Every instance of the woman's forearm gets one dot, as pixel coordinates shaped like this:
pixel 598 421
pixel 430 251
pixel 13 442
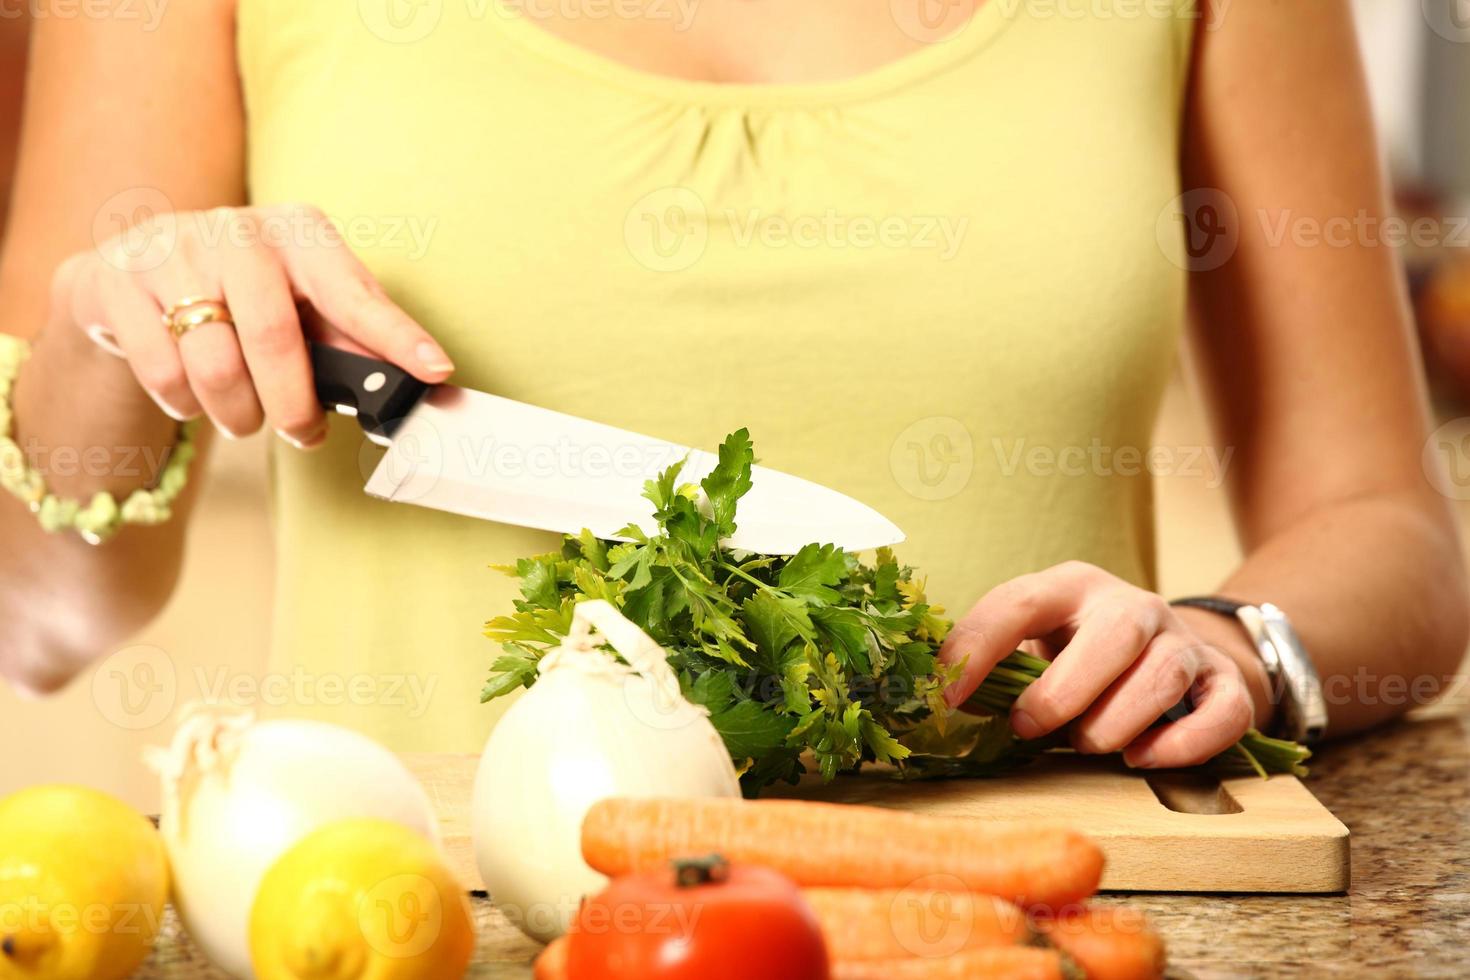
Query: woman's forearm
pixel 105 101
pixel 1376 589
pixel 87 426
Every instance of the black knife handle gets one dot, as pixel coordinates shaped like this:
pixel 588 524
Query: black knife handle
pixel 378 393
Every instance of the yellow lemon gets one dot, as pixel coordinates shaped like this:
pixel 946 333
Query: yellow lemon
pixel 83 881
pixel 360 899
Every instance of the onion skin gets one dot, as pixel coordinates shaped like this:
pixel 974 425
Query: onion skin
pixel 238 795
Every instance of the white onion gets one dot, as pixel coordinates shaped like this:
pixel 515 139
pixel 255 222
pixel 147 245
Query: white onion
pixel 237 795
pixel 589 728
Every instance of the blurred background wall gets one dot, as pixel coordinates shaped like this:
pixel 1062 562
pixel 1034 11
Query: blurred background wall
pixel 217 625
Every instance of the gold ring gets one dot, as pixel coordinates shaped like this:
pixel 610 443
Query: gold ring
pixel 193 312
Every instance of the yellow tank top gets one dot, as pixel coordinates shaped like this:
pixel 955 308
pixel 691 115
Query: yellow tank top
pixel 940 287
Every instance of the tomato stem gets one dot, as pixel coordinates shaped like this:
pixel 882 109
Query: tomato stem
pixel 708 870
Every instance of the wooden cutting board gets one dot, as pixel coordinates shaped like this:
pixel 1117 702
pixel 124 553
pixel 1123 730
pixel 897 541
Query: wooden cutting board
pixel 1165 832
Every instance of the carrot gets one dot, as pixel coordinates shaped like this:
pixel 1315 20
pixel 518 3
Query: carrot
pixel 884 924
pixel 552 963
pixel 998 962
pixel 1108 942
pixel 838 845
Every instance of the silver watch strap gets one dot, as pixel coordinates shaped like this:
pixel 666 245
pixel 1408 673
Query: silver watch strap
pixel 1295 685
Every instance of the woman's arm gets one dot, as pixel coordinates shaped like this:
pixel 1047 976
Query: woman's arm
pixel 1307 356
pixel 116 118
pixel 132 130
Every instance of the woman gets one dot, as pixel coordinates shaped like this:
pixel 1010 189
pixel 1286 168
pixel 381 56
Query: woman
pixel 869 236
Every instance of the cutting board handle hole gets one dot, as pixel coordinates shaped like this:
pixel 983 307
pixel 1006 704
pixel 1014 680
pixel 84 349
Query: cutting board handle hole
pixel 1188 792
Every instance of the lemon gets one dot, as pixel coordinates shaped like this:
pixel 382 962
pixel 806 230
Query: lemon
pixel 83 881
pixel 360 898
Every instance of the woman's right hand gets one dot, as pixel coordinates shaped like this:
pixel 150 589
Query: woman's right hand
pixel 261 262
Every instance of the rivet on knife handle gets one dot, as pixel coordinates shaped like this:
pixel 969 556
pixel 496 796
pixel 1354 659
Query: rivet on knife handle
pixel 376 392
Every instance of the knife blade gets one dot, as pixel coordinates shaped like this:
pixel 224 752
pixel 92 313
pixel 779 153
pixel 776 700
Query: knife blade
pixel 483 456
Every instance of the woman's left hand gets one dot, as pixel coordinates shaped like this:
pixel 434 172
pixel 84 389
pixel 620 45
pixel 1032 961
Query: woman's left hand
pixel 1122 657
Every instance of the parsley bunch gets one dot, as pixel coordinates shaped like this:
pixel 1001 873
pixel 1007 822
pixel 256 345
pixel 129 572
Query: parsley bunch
pixel 816 654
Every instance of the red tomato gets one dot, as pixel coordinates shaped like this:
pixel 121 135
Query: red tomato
pixel 700 920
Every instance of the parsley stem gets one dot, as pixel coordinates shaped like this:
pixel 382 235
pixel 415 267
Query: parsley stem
pixel 749 578
pixel 1260 753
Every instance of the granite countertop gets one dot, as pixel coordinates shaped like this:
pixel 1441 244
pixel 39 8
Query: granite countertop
pixel 1404 792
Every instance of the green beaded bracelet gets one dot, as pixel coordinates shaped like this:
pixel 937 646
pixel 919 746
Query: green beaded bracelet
pixel 102 517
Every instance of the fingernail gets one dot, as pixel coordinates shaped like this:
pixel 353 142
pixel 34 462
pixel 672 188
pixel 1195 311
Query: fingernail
pixel 310 442
pixel 1139 758
pixel 432 356
pixel 166 408
pixel 1024 725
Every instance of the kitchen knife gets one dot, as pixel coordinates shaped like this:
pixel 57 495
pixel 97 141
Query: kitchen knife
pixel 493 458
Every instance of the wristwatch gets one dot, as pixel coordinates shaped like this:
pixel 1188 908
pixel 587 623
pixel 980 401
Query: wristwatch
pixel 1295 684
